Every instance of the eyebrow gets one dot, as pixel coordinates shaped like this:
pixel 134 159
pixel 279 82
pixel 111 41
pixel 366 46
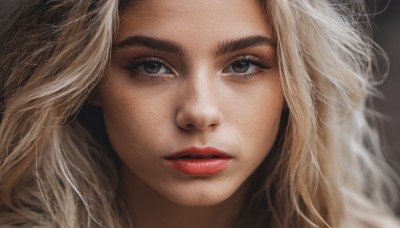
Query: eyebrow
pixel 170 46
pixel 246 42
pixel 150 42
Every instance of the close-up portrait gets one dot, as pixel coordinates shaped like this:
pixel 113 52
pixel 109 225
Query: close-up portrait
pixel 194 114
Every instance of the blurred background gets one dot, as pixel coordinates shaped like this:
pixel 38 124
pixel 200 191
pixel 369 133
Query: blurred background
pixel 386 25
pixel 385 15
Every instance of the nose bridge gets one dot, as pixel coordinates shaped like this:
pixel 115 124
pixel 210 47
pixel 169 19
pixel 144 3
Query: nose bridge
pixel 200 90
pixel 199 107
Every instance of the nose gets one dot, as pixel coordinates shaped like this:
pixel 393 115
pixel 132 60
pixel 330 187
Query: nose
pixel 199 109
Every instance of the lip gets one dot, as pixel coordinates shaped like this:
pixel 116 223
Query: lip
pixel 199 161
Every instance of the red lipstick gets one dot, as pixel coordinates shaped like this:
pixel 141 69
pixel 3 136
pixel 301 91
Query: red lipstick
pixel 199 161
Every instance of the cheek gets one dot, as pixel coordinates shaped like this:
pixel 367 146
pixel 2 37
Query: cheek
pixel 260 131
pixel 257 115
pixel 131 123
pixel 267 118
pixel 258 123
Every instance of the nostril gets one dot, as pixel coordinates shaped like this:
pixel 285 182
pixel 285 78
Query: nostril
pixel 190 126
pixel 195 118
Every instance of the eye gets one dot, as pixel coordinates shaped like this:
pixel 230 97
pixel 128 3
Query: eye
pixel 153 68
pixel 241 66
pixel 149 66
pixel 246 65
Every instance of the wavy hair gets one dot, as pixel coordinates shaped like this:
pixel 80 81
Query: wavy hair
pixel 326 169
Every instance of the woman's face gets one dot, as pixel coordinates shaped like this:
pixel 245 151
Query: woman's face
pixel 193 100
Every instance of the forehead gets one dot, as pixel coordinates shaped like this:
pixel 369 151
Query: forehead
pixel 205 19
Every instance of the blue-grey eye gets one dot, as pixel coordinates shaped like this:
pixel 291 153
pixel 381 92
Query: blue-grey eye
pixel 152 67
pixel 245 65
pixel 241 66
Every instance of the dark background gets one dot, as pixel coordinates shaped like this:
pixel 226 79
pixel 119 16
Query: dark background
pixel 386 27
pixel 385 15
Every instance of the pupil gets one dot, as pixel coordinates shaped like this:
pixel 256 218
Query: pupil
pixel 241 66
pixel 152 68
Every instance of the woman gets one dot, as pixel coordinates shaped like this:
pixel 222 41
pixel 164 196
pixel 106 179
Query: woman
pixel 189 114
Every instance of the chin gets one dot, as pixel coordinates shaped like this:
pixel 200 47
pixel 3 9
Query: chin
pixel 198 201
pixel 198 195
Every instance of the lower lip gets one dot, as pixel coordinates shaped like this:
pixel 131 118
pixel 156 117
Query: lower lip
pixel 200 167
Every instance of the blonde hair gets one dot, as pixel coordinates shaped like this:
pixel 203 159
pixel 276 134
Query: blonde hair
pixel 331 172
pixel 326 169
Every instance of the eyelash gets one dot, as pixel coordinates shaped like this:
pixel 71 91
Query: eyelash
pixel 133 67
pixel 257 62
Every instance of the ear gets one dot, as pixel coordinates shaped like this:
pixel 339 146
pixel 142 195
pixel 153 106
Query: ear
pixel 94 98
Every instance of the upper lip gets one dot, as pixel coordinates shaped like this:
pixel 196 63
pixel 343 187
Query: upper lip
pixel 200 152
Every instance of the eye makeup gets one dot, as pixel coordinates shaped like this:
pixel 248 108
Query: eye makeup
pixel 149 68
pixel 246 67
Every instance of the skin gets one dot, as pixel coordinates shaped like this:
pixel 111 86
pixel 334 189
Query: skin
pixel 193 98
